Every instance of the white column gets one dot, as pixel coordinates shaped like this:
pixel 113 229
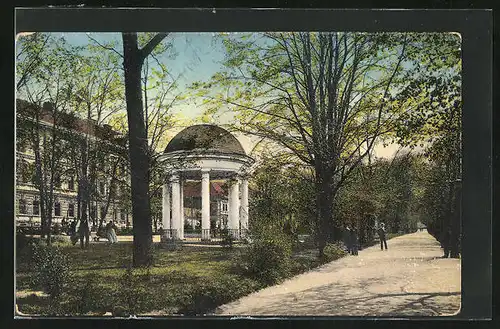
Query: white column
pixel 234 206
pixel 176 204
pixel 205 205
pixel 244 204
pixel 181 235
pixel 166 207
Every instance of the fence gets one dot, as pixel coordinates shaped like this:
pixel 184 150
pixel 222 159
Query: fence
pixel 204 235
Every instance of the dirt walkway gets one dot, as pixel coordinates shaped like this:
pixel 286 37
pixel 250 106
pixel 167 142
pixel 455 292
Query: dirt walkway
pixel 410 279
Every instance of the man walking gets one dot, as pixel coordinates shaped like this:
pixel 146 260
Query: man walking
pixel 381 235
pixel 354 242
pixel 347 239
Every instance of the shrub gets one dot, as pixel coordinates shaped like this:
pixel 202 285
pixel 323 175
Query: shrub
pixel 51 270
pixel 267 259
pixel 56 229
pixel 333 251
pixel 210 293
pixel 23 241
pixel 227 239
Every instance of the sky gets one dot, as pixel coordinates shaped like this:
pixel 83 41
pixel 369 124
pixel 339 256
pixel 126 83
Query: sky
pixel 196 57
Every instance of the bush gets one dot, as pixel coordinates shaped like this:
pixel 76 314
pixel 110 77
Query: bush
pixel 227 239
pixel 333 251
pixel 267 259
pixel 51 270
pixel 210 293
pixel 23 241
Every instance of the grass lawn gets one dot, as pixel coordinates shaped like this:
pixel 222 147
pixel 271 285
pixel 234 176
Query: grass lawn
pixel 172 285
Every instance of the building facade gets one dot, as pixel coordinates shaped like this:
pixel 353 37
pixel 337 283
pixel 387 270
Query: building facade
pixel 104 205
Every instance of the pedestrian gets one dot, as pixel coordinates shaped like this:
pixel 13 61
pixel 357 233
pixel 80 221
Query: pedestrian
pixel 111 232
pixel 381 235
pixel 84 233
pixel 447 242
pixel 72 232
pixel 354 242
pixel 347 239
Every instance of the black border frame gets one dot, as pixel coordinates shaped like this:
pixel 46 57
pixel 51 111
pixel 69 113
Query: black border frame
pixel 476 28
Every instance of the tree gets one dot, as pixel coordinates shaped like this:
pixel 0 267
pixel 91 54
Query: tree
pixel 133 59
pixel 31 50
pixel 42 119
pixel 96 153
pixel 432 102
pixel 321 96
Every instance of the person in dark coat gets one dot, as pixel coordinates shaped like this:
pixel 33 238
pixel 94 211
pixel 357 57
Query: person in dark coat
pixel 354 242
pixel 347 239
pixel 72 232
pixel 84 234
pixel 447 242
pixel 381 235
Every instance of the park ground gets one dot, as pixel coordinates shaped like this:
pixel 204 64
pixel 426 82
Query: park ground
pixel 409 279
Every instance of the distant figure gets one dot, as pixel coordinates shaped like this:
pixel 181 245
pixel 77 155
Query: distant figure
pixel 354 242
pixel 347 239
pixel 84 233
pixel 72 232
pixel 381 235
pixel 111 232
pixel 447 242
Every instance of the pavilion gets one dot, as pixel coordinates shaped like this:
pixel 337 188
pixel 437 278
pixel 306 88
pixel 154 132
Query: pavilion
pixel 203 153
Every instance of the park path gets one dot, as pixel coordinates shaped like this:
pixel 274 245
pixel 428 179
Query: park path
pixel 410 279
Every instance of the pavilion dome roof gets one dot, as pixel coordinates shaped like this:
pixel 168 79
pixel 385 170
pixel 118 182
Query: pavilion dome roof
pixel 205 137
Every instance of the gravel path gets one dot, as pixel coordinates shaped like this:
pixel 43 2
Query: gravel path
pixel 410 279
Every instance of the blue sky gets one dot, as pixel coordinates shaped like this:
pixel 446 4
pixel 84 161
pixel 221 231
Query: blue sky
pixel 197 54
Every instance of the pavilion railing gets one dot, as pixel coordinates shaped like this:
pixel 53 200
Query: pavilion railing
pixel 213 235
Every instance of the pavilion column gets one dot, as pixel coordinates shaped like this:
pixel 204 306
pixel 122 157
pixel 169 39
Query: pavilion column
pixel 176 206
pixel 181 235
pixel 234 208
pixel 244 204
pixel 165 221
pixel 205 205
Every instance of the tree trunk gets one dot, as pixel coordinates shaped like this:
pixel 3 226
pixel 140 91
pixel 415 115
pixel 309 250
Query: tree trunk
pixel 139 161
pixel 327 231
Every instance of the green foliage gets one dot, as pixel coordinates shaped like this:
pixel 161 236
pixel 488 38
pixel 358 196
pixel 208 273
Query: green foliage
pixel 333 251
pixel 227 239
pixel 267 258
pixel 51 270
pixel 282 197
pixel 208 294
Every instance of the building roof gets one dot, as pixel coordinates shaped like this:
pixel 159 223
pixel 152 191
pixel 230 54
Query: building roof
pixel 205 137
pixel 69 120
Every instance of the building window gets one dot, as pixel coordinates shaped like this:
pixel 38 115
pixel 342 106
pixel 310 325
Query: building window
pixel 22 207
pixel 71 183
pixel 102 212
pixel 71 210
pixel 122 215
pixel 57 209
pixel 224 207
pixel 36 207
